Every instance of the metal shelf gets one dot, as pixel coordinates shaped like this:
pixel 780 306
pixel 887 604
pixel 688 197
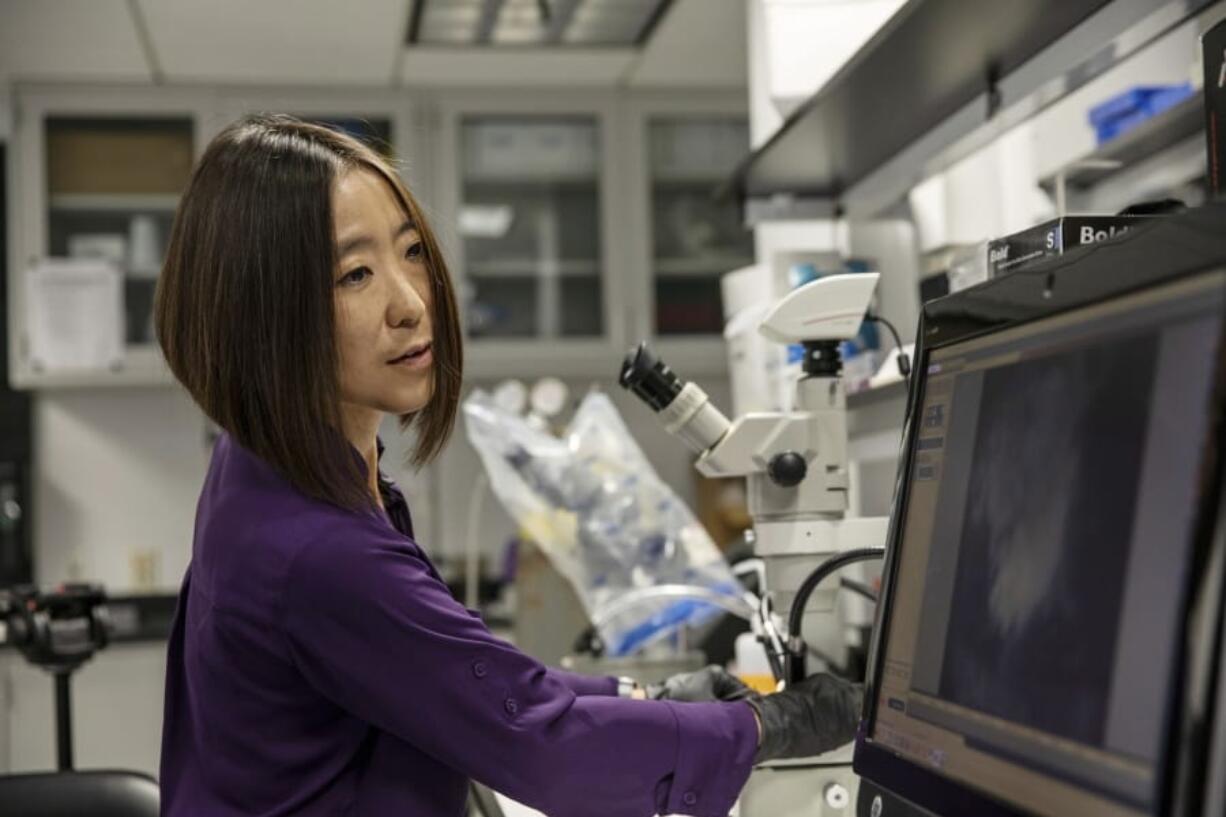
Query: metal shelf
pixel 682 179
pixel 1172 126
pixel 539 178
pixel 531 268
pixel 702 266
pixel 939 80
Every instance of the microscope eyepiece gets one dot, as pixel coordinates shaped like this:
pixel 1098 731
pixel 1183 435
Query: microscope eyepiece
pixel 649 378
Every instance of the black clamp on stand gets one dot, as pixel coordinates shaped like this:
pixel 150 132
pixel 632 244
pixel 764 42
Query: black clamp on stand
pixel 59 630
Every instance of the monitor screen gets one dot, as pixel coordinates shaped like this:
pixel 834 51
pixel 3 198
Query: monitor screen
pixel 1036 605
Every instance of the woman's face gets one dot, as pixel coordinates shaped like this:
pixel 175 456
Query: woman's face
pixel 383 301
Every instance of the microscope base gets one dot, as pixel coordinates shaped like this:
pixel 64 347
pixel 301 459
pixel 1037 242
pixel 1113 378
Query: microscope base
pixel 824 786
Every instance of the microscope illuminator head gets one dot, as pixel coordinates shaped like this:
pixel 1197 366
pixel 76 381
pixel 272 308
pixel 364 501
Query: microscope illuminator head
pixel 828 309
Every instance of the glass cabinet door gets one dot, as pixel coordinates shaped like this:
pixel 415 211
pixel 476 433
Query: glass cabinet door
pixel 112 188
pixel 375 132
pixel 695 239
pixel 529 218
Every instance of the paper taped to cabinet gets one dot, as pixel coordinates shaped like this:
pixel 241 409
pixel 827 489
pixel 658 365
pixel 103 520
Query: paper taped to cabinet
pixel 74 308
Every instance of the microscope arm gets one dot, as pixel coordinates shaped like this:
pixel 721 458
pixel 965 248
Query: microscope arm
pixel 754 440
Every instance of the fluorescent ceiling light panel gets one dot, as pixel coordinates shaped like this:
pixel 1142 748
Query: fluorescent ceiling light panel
pixel 519 23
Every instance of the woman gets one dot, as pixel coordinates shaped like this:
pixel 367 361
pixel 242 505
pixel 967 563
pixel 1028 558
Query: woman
pixel 318 664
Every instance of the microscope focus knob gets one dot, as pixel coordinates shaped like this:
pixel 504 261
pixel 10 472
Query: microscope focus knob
pixel 787 469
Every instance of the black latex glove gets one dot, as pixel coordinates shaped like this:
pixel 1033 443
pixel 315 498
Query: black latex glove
pixel 808 718
pixel 711 683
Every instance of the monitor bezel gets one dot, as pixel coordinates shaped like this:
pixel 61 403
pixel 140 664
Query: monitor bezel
pixel 1152 256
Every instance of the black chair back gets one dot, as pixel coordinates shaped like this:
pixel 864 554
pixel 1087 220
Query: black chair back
pixel 79 794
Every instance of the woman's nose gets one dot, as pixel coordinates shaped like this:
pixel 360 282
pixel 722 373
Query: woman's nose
pixel 405 304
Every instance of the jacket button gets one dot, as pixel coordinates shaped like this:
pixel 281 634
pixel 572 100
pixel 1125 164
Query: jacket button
pixel 689 798
pixel 510 706
pixel 479 669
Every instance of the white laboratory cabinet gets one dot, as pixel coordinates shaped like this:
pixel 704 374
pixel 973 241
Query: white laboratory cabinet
pixel 681 151
pixel 98 173
pixel 530 192
pixel 575 223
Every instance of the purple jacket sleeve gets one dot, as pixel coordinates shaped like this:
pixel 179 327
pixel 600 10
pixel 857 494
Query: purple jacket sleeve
pixel 584 684
pixel 372 628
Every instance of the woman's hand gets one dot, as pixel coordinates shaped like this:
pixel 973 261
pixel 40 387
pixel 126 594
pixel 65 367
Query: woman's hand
pixel 711 683
pixel 817 715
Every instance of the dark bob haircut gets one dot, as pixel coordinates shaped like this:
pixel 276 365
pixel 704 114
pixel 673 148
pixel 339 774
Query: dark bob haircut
pixel 244 305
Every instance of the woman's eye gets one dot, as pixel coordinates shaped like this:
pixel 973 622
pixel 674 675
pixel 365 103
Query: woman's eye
pixel 414 251
pixel 356 276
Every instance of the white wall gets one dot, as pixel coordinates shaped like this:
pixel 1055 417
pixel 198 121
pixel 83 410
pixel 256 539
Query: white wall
pixel 6 109
pixel 116 477
pixel 992 192
pixel 892 244
pixel 116 711
pixel 796 46
pixel 764 117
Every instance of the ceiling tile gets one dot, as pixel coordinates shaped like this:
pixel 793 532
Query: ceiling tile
pixel 69 39
pixel 461 34
pixel 698 43
pixel 603 30
pixel 436 14
pixel 293 41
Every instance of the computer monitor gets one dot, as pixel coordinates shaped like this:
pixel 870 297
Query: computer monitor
pixel 1052 538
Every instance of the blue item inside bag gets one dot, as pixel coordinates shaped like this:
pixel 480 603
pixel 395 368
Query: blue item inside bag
pixel 1123 112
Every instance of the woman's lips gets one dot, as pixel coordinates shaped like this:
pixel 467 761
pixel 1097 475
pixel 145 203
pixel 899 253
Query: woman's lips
pixel 417 360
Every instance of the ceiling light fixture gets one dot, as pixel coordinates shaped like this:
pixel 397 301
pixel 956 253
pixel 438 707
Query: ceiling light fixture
pixel 534 23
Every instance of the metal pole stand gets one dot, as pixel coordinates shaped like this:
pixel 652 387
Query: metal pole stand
pixel 63 719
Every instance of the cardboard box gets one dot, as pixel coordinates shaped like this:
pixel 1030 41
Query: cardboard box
pixel 1213 46
pixel 99 161
pixel 1053 238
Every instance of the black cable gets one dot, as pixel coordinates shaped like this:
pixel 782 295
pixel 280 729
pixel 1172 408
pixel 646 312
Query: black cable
pixel 859 588
pixel 795 660
pixel 904 362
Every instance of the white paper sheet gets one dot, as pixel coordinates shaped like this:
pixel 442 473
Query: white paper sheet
pixel 74 310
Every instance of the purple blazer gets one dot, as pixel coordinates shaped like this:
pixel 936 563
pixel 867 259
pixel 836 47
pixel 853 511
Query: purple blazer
pixel 318 665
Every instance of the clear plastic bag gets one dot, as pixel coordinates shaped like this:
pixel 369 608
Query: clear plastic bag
pixel 591 501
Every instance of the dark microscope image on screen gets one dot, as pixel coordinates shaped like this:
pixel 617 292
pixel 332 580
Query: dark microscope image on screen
pixel 1045 537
